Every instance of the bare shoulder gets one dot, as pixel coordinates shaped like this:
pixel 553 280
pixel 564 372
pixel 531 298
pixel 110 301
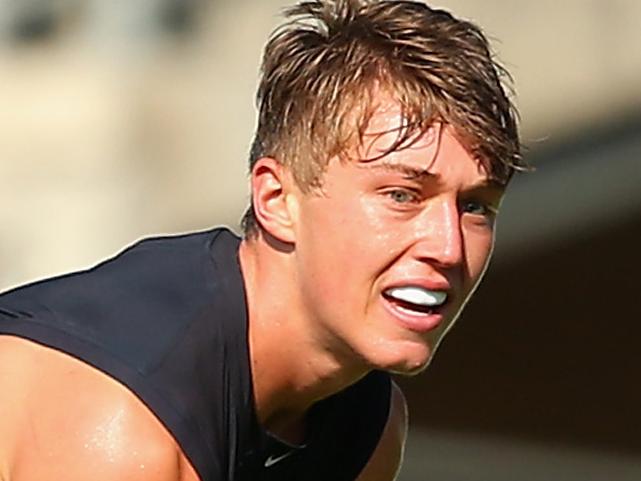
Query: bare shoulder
pixel 67 420
pixel 386 459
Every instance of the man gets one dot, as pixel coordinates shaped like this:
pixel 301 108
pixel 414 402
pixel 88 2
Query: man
pixel 384 143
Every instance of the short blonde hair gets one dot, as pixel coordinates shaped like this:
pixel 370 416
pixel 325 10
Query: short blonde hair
pixel 321 69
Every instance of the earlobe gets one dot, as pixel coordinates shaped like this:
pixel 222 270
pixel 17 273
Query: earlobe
pixel 271 184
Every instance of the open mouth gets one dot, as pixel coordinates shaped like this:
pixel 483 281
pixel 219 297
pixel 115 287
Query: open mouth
pixel 416 300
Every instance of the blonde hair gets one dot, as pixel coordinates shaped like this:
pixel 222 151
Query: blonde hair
pixel 322 68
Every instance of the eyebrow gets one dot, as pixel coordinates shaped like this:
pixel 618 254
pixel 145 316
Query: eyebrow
pixel 410 173
pixel 490 184
pixel 414 173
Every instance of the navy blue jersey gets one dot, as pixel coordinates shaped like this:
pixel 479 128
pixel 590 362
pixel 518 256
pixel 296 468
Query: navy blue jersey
pixel 167 318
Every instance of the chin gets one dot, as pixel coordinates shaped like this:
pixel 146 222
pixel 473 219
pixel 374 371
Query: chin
pixel 409 369
pixel 405 358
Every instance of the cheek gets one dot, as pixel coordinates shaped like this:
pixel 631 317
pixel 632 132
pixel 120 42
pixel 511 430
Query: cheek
pixel 326 249
pixel 478 250
pixel 377 230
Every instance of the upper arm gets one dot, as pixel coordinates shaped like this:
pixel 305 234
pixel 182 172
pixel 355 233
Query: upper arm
pixel 72 422
pixel 386 459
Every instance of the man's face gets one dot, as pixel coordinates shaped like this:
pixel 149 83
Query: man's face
pixel 391 249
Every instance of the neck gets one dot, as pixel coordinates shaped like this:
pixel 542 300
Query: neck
pixel 292 366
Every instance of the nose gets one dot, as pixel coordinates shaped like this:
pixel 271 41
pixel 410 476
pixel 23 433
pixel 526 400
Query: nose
pixel 439 234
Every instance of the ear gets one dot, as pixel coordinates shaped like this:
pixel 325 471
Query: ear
pixel 272 188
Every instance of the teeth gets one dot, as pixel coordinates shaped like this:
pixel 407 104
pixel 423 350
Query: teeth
pixel 418 295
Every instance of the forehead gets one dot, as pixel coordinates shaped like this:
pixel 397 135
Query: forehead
pixel 385 127
pixel 436 151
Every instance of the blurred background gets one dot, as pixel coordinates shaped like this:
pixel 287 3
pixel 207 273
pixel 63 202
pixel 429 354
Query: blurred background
pixel 123 119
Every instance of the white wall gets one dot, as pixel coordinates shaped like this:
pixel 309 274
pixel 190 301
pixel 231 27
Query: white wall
pixel 112 130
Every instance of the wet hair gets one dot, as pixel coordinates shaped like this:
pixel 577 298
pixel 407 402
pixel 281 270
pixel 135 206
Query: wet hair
pixel 324 69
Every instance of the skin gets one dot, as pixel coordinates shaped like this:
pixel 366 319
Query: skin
pixel 424 214
pixel 90 427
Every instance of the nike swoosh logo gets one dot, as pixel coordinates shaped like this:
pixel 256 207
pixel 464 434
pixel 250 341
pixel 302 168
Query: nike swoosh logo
pixel 270 461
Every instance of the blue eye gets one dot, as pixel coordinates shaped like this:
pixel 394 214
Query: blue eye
pixel 402 196
pixel 478 208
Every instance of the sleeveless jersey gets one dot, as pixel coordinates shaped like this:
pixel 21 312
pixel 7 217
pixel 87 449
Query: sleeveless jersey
pixel 167 319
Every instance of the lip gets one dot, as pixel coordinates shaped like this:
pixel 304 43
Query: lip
pixel 418 322
pixel 430 285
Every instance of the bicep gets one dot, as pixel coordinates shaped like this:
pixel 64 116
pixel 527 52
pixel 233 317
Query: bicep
pixel 102 463
pixel 76 423
pixel 105 444
pixel 386 459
